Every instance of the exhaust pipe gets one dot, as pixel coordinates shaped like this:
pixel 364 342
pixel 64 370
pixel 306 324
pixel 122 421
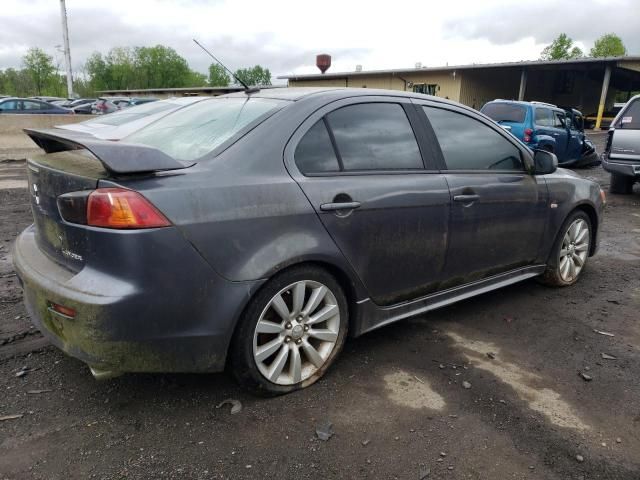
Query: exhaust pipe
pixel 103 374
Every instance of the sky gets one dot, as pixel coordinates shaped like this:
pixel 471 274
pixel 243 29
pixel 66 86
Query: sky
pixel 285 36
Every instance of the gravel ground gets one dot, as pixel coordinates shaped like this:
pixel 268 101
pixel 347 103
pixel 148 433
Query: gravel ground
pixel 489 388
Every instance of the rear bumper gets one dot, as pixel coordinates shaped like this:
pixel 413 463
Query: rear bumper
pixel 628 169
pixel 127 323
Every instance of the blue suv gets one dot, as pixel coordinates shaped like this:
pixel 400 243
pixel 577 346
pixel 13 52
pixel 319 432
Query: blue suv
pixel 545 126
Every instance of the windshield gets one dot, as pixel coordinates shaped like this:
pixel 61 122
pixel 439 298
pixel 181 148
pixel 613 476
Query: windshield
pixel 505 112
pixel 194 131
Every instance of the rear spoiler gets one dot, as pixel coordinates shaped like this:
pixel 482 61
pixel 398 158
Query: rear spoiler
pixel 117 157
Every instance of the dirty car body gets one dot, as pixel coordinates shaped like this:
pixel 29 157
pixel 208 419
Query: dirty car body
pixel 265 194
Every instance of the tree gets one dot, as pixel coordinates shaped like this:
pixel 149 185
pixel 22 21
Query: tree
pixel 39 66
pixel 218 76
pixel 161 67
pixel 609 45
pixel 562 48
pixel 254 76
pixel 197 79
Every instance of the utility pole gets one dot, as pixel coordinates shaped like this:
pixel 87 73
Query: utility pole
pixel 67 51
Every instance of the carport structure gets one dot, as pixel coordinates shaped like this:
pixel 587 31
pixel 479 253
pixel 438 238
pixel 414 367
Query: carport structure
pixel 588 84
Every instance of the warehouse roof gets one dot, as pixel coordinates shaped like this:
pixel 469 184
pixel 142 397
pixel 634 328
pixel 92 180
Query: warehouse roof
pixel 585 60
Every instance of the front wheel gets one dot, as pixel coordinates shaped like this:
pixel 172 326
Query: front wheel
pixel 621 184
pixel 291 332
pixel 570 251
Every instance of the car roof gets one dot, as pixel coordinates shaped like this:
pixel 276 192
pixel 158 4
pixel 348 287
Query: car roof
pixel 530 104
pixel 298 93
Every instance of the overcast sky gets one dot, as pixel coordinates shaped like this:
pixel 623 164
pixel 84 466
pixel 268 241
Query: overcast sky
pixel 286 35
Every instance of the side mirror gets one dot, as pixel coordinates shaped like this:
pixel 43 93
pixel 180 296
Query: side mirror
pixel 545 162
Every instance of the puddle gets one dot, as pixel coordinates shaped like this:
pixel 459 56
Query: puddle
pixel 406 390
pixel 543 400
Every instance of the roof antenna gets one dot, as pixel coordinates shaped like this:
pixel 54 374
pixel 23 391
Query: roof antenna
pixel 247 88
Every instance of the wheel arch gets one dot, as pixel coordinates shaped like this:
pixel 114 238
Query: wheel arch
pixel 349 285
pixel 590 211
pixel 593 218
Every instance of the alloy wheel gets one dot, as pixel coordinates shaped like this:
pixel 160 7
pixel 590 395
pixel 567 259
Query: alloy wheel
pixel 574 250
pixel 296 332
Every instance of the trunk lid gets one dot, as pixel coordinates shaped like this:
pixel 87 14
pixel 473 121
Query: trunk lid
pixel 49 176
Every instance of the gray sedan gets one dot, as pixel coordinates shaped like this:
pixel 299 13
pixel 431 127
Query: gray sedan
pixel 258 230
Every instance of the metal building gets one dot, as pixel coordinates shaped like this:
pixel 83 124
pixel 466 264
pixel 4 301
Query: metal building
pixel 588 84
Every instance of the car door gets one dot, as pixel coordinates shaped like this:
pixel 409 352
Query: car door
pixel 34 106
pixel 561 133
pixel 362 168
pixel 575 134
pixel 498 210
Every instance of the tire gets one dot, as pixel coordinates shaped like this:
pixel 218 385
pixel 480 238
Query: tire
pixel 309 338
pixel 567 246
pixel 621 184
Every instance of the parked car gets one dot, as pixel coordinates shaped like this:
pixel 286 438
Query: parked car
pixel 545 126
pixel 82 106
pixel 124 122
pixel 607 117
pixel 46 99
pixel 621 157
pixel 29 106
pixel 142 100
pixel 103 106
pixel 259 229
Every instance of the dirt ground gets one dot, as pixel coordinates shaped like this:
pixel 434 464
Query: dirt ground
pixel 395 398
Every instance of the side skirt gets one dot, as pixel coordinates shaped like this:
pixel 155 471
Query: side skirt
pixel 372 316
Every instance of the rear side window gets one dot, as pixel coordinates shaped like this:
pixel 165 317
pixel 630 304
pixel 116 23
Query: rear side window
pixel 630 118
pixel 375 136
pixel 505 112
pixel 314 153
pixel 9 105
pixel 468 144
pixel 543 117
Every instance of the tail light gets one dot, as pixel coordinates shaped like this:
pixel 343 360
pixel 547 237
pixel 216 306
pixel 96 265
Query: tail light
pixel 117 208
pixel 527 135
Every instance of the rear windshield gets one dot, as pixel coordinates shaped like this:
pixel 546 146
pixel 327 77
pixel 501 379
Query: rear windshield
pixel 197 130
pixel 630 118
pixel 505 112
pixel 133 113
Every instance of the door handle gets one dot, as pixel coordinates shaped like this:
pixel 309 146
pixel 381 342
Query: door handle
pixel 332 207
pixel 466 198
pixel 555 134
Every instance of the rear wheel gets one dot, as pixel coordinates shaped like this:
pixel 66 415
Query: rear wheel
pixel 570 251
pixel 291 332
pixel 621 184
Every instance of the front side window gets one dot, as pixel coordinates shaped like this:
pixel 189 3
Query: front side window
pixel 543 117
pixel 29 105
pixel 468 144
pixel 559 120
pixel 195 131
pixel 577 122
pixel 315 153
pixel 374 136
